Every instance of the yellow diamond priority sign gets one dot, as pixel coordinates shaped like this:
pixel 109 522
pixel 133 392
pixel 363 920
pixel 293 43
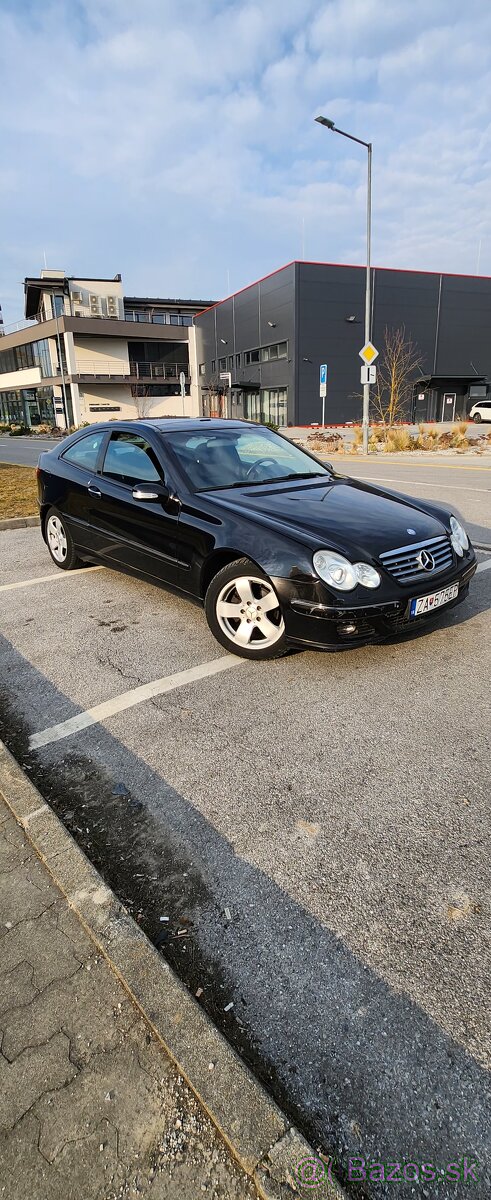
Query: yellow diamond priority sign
pixel 368 353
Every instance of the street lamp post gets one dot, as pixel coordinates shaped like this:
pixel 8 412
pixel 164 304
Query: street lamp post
pixel 368 145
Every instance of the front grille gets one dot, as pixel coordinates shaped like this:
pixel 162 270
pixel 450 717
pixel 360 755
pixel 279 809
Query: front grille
pixel 404 563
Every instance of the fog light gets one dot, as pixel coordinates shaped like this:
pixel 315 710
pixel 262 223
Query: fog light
pixel 347 630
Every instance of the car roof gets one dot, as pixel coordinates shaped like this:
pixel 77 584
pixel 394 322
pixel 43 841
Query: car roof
pixel 171 424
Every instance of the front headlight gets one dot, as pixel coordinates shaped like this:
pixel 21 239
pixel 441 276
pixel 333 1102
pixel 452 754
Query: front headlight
pixel 367 575
pixel 339 573
pixel 460 541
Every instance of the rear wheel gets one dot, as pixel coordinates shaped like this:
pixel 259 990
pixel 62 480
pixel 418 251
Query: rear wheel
pixel 244 612
pixel 477 418
pixel 60 542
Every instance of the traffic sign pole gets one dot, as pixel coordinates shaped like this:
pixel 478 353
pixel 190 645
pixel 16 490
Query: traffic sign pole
pixel 366 386
pixel 323 389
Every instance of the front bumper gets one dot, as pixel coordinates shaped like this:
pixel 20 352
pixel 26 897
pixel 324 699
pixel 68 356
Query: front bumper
pixel 312 619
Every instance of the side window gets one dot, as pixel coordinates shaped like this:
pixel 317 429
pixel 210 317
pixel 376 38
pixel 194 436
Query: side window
pixel 129 459
pixel 85 452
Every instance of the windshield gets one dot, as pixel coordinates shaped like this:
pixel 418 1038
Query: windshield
pixel 239 457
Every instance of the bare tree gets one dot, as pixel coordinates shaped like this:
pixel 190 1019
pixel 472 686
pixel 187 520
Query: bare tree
pixel 397 370
pixel 212 395
pixel 143 402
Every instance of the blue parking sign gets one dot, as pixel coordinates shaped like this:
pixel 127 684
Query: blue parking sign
pixel 323 373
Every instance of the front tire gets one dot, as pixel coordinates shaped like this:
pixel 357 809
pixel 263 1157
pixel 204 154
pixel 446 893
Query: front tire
pixel 244 613
pixel 477 418
pixel 60 542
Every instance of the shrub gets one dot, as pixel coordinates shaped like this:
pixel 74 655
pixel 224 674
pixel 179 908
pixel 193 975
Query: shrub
pixel 459 436
pixel 399 439
pixel 427 439
pixel 19 430
pixel 378 434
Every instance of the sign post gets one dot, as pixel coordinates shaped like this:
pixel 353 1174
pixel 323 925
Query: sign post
pixel 323 390
pixel 182 382
pixel 368 354
pixel 227 377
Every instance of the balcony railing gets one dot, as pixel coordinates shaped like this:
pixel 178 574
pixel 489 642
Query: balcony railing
pixel 100 369
pixel 17 327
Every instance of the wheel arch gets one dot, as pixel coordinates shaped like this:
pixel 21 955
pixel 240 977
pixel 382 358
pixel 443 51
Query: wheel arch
pixel 217 560
pixel 43 512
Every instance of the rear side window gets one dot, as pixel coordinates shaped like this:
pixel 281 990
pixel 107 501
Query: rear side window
pixel 85 452
pixel 130 459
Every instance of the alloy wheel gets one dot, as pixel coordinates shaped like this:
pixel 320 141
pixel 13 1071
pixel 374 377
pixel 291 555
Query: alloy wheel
pixel 57 539
pixel 248 612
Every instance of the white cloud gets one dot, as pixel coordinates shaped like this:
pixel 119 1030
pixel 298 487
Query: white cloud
pixel 176 142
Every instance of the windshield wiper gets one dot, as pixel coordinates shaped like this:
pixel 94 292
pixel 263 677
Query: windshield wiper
pixel 220 487
pixel 296 475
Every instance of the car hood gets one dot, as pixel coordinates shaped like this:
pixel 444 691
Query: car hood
pixel 341 513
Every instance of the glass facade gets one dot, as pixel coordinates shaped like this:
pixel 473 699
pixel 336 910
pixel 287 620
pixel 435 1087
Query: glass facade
pixel 31 354
pixel 27 406
pixel 269 404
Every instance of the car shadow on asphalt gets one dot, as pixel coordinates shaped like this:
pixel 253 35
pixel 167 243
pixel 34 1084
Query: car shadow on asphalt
pixel 362 1069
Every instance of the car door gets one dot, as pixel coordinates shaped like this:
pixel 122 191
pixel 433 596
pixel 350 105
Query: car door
pixel 128 530
pixel 68 488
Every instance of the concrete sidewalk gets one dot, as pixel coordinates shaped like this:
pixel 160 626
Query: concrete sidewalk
pixel 90 1105
pixel 114 1082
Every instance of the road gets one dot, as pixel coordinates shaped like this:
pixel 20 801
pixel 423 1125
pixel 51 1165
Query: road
pixel 319 825
pixel 24 451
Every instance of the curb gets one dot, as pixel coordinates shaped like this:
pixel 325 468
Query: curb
pixel 261 1138
pixel 19 522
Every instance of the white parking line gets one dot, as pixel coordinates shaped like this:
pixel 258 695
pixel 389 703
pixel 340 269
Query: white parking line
pixel 456 487
pixel 109 708
pixel 484 566
pixel 11 587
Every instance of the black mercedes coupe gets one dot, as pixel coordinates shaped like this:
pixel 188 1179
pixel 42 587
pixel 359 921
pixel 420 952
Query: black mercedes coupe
pixel 280 547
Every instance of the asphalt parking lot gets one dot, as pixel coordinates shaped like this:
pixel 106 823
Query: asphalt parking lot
pixel 316 829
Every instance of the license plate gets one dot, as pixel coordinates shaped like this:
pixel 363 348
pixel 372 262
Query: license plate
pixel 426 604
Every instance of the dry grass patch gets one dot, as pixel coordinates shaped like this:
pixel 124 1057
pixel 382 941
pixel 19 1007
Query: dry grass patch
pixel 18 491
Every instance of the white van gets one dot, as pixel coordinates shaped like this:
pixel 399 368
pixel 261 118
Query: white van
pixel 481 411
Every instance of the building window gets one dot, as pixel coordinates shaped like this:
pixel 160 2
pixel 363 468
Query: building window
pixel 31 354
pixel 230 362
pixel 270 353
pixel 271 404
pixel 222 364
pixel 202 368
pixel 237 360
pixel 28 406
pixel 251 356
pixel 213 365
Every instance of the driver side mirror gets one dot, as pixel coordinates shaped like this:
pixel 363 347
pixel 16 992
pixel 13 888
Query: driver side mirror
pixel 149 493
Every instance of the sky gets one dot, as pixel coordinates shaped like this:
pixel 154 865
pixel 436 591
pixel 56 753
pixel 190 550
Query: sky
pixel 174 140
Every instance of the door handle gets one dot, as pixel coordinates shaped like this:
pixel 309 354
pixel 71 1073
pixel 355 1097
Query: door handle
pixel 93 490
